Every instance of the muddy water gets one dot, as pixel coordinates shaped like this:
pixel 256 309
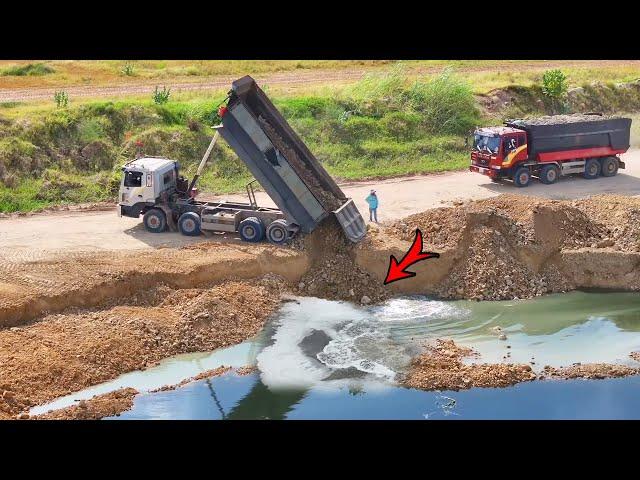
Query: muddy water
pixel 326 359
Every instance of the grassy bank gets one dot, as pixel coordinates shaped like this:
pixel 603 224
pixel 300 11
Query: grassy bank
pixel 383 126
pixel 390 123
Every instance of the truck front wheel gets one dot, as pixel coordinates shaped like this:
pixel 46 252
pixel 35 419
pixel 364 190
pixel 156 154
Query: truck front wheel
pixel 251 229
pixel 154 220
pixel 591 169
pixel 522 177
pixel 189 224
pixel 609 166
pixel 549 174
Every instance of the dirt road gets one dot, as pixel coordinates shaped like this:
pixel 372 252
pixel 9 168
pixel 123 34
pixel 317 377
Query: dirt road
pixel 293 78
pixel 42 236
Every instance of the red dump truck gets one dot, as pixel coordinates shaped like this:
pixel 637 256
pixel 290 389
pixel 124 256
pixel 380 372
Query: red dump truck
pixel 548 147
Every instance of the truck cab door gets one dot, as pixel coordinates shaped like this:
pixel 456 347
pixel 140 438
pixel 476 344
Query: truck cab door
pixel 514 149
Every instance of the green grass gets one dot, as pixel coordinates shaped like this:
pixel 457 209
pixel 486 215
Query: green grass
pixel 391 123
pixel 30 69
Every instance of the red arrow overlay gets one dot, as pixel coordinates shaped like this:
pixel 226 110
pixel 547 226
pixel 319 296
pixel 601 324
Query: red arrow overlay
pixel 415 254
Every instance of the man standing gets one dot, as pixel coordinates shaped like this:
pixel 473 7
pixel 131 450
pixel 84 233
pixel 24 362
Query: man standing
pixel 372 200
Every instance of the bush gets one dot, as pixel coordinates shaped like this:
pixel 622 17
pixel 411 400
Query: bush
pixel 31 70
pixel 446 103
pixel 555 87
pixel 554 84
pixel 160 97
pixel 61 98
pixel 128 69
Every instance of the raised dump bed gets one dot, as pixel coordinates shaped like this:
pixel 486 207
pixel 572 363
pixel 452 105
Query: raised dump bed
pixel 282 163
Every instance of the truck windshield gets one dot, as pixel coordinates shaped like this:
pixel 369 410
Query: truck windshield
pixel 486 143
pixel 132 179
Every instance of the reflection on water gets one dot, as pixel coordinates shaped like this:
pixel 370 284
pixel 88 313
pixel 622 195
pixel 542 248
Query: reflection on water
pixel 323 359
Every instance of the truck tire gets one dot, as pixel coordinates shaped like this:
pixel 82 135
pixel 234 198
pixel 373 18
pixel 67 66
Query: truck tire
pixel 549 174
pixel 522 177
pixel 251 229
pixel 155 220
pixel 277 232
pixel 592 169
pixel 609 166
pixel 189 224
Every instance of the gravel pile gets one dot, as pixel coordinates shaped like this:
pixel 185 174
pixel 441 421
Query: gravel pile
pixel 328 200
pixel 560 119
pixel 593 371
pixel 334 274
pixel 441 367
pixel 504 246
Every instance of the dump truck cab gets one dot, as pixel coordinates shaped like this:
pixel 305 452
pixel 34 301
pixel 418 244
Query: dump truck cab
pixel 144 181
pixel 497 150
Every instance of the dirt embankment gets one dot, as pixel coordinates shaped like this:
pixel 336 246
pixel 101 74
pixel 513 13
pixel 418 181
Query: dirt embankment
pixel 32 288
pixel 515 246
pixel 63 353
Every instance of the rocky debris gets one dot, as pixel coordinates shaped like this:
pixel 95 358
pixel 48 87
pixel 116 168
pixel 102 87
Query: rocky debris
pixel 106 405
pixel 216 372
pixel 596 371
pixel 334 273
pixel 563 119
pixel 326 197
pixel 635 356
pixel 505 247
pixel 246 370
pixel 441 367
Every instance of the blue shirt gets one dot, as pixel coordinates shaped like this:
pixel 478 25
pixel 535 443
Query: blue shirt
pixel 372 200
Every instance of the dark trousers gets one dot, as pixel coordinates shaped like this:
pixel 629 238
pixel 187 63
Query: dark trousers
pixel 373 215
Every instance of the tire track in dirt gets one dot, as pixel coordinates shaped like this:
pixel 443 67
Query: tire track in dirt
pixel 288 78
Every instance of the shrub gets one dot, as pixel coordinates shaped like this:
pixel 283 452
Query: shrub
pixel 160 97
pixel 31 70
pixel 554 84
pixel 446 103
pixel 555 87
pixel 61 98
pixel 128 69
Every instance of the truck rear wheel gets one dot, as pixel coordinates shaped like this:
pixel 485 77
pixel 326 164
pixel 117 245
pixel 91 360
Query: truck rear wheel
pixel 155 220
pixel 549 174
pixel 609 166
pixel 522 177
pixel 592 169
pixel 251 229
pixel 189 224
pixel 277 232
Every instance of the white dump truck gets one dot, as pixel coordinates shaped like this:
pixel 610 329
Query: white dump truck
pixel 278 159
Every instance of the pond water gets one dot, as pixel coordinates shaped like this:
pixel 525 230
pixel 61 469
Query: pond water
pixel 320 359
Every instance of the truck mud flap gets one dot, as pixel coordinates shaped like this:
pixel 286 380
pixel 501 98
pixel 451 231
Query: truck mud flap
pixel 351 221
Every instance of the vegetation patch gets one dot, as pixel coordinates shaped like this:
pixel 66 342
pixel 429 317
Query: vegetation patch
pixel 390 123
pixel 30 70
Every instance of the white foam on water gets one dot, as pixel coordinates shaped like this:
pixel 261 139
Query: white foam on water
pixel 283 364
pixel 360 339
pixel 407 309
